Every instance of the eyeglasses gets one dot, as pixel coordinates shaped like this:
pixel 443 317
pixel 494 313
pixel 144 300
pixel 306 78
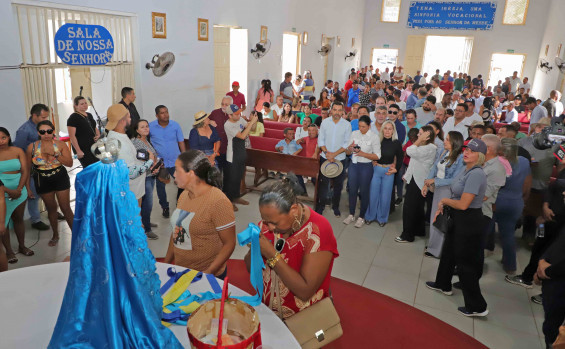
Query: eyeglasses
pixel 279 245
pixel 42 132
pixel 393 112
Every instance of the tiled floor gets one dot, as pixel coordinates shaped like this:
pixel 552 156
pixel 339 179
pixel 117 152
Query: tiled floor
pixel 370 257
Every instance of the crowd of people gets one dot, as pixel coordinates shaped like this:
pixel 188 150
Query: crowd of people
pixel 440 146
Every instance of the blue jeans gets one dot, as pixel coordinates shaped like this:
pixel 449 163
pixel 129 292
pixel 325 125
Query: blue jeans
pixel 33 204
pixel 381 189
pixel 147 203
pixel 359 180
pixel 161 192
pixel 506 215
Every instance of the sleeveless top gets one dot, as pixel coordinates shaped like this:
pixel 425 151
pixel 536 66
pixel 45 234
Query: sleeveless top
pixel 41 162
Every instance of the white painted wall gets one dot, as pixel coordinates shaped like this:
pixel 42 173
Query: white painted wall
pixel 553 36
pixel 188 88
pixel 521 39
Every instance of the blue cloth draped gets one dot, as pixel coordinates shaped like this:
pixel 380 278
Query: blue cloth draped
pixel 112 299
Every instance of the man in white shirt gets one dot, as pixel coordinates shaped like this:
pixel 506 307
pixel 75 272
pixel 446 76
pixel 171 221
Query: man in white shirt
pixel 386 75
pixel 511 113
pixel 558 104
pixel 436 91
pixel 478 100
pixel 278 108
pixel 455 97
pixel 514 82
pixel 118 120
pixel 423 80
pixel 459 121
pixel 333 141
pixel 525 85
pixel 426 112
pixel 470 114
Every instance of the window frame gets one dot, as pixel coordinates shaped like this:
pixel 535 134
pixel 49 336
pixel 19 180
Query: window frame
pixel 383 10
pixel 525 14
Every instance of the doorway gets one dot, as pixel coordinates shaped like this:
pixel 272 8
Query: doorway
pixel 447 53
pixel 290 54
pixel 382 58
pixel 503 65
pixel 230 61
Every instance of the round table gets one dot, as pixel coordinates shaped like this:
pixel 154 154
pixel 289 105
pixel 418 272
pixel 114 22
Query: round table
pixel 30 300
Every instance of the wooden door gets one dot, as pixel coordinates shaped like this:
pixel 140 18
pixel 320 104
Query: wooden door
pixel 414 58
pixel 221 64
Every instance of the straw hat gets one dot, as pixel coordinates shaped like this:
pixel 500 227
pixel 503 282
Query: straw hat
pixel 331 169
pixel 199 117
pixel 114 114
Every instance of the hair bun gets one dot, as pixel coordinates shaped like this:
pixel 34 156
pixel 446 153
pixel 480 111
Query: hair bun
pixel 292 180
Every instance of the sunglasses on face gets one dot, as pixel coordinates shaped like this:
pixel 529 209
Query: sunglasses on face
pixel 279 245
pixel 42 132
pixel 393 112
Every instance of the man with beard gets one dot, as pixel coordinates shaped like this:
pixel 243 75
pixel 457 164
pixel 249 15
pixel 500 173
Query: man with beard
pixel 218 118
pixel 426 112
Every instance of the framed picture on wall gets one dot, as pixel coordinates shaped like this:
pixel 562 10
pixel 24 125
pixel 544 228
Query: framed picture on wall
pixel 159 25
pixel 264 30
pixel 559 50
pixel 546 50
pixel 202 29
pixel 305 38
pixel 323 39
pixel 338 41
pixel 352 42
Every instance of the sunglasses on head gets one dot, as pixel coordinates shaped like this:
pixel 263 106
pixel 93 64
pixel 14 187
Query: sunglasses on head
pixel 279 245
pixel 393 112
pixel 42 132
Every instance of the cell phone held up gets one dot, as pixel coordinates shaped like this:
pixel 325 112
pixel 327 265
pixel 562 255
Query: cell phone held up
pixel 158 164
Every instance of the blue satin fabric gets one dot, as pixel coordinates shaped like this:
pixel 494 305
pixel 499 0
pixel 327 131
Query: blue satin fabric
pixel 251 235
pixel 112 299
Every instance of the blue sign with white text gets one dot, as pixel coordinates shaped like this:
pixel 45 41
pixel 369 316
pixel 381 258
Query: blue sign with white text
pixel 84 44
pixel 451 15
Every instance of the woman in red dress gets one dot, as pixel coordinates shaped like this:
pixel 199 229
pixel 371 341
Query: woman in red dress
pixel 299 248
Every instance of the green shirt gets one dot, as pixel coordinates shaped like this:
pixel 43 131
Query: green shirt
pixel 302 115
pixel 458 84
pixel 520 135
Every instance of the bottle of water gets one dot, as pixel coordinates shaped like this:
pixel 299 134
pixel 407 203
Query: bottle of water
pixel 541 231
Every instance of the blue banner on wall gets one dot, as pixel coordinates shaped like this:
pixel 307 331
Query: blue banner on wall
pixel 451 15
pixel 84 44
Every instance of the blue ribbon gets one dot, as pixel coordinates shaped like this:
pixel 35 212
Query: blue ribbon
pixel 251 235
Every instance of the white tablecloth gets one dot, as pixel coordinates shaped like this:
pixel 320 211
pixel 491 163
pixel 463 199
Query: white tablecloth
pixel 30 300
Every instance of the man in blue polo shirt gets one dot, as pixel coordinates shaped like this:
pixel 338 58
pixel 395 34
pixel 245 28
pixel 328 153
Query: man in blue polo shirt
pixel 27 134
pixel 168 141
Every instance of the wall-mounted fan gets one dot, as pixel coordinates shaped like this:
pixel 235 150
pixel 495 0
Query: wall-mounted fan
pixel 324 50
pixel 261 49
pixel 351 54
pixel 544 66
pixel 560 64
pixel 161 64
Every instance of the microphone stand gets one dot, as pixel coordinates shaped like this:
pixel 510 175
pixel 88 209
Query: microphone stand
pixel 99 120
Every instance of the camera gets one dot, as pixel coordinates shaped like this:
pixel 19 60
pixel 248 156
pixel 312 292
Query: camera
pixel 552 137
pixel 142 154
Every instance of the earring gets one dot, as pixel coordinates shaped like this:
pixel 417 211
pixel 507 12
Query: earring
pixel 297 222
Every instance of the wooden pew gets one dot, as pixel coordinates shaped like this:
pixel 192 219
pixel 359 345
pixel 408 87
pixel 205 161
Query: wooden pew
pixel 275 125
pixel 274 133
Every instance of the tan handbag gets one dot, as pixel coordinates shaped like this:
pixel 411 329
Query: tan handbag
pixel 314 327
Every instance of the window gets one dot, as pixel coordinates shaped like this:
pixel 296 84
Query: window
pixel 456 59
pixel 515 12
pixel 291 54
pixel 390 11
pixel 503 65
pixel 382 58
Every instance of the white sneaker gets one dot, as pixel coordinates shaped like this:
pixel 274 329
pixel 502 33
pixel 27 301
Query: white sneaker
pixel 359 223
pixel 349 219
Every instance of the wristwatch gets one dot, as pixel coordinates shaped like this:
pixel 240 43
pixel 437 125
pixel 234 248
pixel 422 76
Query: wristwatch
pixel 271 262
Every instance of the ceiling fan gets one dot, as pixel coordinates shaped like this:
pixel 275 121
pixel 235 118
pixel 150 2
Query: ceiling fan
pixel 544 66
pixel 351 54
pixel 261 49
pixel 161 64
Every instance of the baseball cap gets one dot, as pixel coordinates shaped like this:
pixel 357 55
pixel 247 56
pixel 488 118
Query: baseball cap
pixel 114 114
pixel 470 100
pixel 477 145
pixel 232 109
pixel 235 83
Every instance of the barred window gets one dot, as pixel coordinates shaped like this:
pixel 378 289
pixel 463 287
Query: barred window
pixel 390 11
pixel 515 12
